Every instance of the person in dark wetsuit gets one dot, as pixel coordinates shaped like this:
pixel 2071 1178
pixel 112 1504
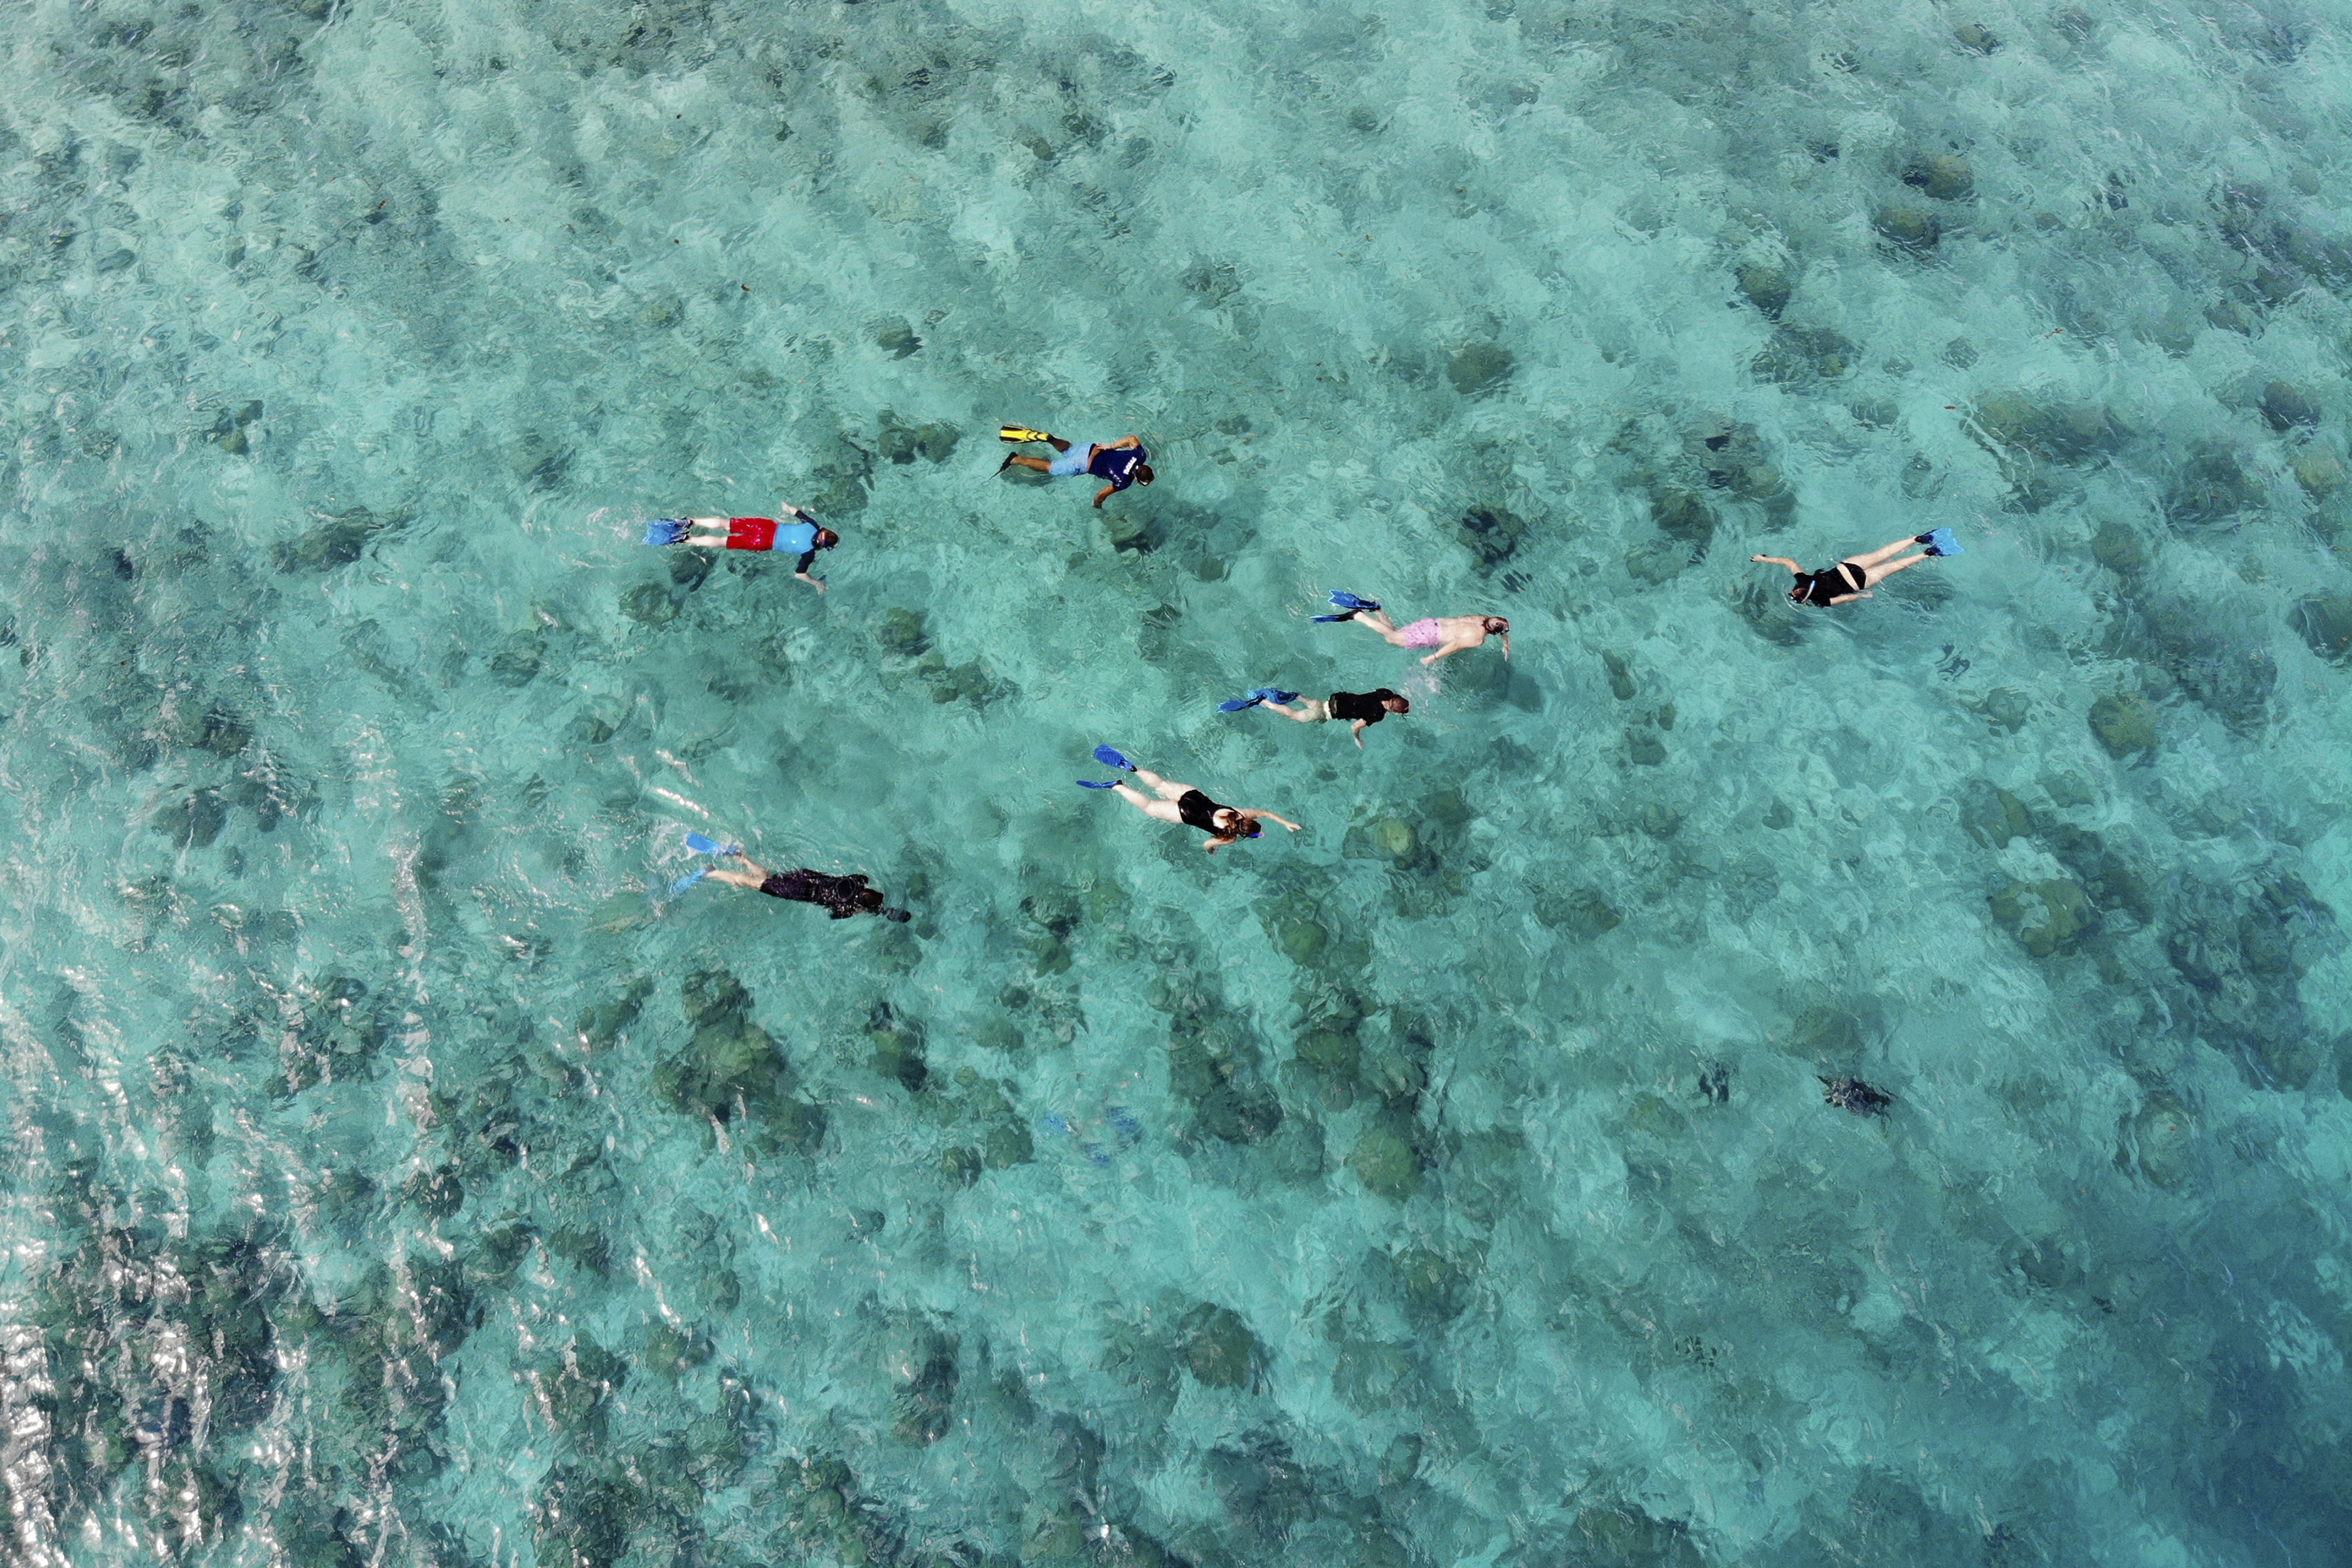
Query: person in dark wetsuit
pixel 802 534
pixel 1358 709
pixel 1180 803
pixel 1850 579
pixel 1123 462
pixel 841 897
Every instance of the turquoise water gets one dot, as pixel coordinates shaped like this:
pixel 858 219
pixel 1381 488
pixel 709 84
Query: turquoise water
pixel 398 1174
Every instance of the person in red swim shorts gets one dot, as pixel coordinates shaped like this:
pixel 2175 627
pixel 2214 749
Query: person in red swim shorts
pixel 801 534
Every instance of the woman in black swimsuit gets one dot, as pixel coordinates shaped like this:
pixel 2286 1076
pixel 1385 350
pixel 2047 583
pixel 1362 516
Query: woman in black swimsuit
pixel 1849 580
pixel 1358 707
pixel 842 897
pixel 1180 803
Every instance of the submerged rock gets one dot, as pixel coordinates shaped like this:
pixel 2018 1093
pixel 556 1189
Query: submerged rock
pixel 1218 1348
pixel 1620 676
pixel 1581 911
pixel 1799 354
pixel 336 542
pixel 1767 288
pixel 2286 406
pixel 1940 175
pixel 2124 722
pixel 2212 486
pixel 2119 550
pixel 2326 623
pixel 1680 514
pixel 1625 1534
pixel 1907 228
pixel 2044 917
pixel 2160 1140
pixel 2320 473
pixel 1491 533
pixel 192 821
pixel 935 442
pixel 1993 816
pixel 896 338
pixel 1476 369
pixel 1384 1160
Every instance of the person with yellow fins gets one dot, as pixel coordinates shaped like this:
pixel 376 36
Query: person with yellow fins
pixel 1122 462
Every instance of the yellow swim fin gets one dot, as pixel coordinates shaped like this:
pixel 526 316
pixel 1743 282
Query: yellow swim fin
pixel 1017 433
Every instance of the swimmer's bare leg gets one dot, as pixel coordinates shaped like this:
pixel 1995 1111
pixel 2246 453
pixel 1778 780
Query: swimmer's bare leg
pixel 1875 573
pixel 1883 553
pixel 1166 789
pixel 1159 810
pixel 750 875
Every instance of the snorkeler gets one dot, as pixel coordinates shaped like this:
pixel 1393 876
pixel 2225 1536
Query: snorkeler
pixel 1358 707
pixel 1182 804
pixel 1849 580
pixel 1123 462
pixel 841 897
pixel 1446 634
pixel 801 534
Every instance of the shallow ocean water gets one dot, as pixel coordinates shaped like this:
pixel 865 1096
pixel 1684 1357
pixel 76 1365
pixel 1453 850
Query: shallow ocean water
pixel 399 1172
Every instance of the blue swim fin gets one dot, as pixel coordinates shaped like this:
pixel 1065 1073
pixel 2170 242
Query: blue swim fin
pixel 701 845
pixel 1939 542
pixel 1263 694
pixel 1347 601
pixel 1091 784
pixel 689 879
pixel 1111 759
pixel 667 530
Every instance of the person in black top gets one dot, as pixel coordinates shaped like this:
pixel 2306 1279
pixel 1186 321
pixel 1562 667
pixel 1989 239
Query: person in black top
pixel 841 897
pixel 1852 579
pixel 1123 462
pixel 1358 707
pixel 1180 803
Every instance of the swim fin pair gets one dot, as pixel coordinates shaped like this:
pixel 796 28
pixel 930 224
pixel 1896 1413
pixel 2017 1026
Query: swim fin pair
pixel 1263 694
pixel 1349 605
pixel 701 845
pixel 1108 759
pixel 667 530
pixel 1018 433
pixel 1938 543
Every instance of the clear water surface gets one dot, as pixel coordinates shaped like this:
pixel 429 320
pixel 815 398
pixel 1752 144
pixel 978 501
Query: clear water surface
pixel 399 1173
